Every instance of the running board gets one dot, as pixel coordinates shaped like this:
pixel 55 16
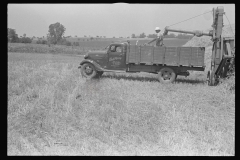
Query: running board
pixel 116 71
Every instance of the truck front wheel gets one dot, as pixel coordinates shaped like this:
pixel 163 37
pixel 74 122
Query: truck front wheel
pixel 166 75
pixel 88 70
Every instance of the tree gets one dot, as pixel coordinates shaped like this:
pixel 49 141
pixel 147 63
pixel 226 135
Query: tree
pixel 172 35
pixel 12 36
pixel 152 36
pixel 55 32
pixel 41 41
pixel 68 43
pixel 76 43
pixel 24 35
pixel 184 36
pixel 25 40
pixel 133 36
pixel 142 35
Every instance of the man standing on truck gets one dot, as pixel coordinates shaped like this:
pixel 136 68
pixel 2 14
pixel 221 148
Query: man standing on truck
pixel 159 39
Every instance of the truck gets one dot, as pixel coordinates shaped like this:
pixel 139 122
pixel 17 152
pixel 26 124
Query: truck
pixel 166 61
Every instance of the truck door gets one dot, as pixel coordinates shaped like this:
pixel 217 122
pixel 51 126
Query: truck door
pixel 116 57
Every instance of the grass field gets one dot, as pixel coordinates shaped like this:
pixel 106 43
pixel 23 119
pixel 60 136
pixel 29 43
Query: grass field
pixel 102 42
pixel 52 110
pixel 84 47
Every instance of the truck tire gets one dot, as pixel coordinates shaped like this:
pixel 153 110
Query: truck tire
pixel 166 75
pixel 211 78
pixel 88 71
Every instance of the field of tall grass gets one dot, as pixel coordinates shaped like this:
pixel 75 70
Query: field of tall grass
pixel 84 47
pixel 52 110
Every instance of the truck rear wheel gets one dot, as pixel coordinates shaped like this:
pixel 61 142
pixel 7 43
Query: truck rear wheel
pixel 88 70
pixel 166 75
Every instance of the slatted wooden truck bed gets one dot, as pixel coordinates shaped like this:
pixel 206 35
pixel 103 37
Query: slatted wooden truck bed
pixel 169 56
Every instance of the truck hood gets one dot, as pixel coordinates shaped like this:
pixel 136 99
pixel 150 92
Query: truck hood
pixel 96 54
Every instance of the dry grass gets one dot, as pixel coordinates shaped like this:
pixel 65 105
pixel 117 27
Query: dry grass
pixel 52 110
pixel 44 48
pixel 82 49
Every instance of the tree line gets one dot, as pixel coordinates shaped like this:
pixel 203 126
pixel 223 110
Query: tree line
pixel 171 35
pixel 13 37
pixel 54 36
pixel 56 32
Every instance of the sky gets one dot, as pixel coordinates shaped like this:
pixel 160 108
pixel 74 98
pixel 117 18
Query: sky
pixel 111 20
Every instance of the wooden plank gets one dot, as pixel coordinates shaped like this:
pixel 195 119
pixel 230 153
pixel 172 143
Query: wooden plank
pixel 178 55
pixel 185 56
pixel 171 56
pixel 158 55
pixel 152 58
pixel 190 58
pixel 133 54
pixel 146 54
pixel 138 54
pixel 194 56
pixel 128 53
pixel 198 56
pixel 164 53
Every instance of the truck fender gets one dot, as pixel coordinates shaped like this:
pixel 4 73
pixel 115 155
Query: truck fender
pixel 95 64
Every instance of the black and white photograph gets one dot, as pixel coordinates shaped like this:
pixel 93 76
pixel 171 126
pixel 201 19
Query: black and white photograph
pixel 120 79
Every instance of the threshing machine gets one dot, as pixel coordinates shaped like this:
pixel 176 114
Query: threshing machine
pixel 223 50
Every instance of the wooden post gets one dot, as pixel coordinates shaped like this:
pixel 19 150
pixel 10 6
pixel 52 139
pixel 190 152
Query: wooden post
pixel 178 56
pixel 164 51
pixel 152 54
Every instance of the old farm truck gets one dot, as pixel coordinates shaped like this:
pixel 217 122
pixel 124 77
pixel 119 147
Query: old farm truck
pixel 167 62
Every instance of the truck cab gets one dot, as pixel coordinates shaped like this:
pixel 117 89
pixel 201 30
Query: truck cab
pixel 112 58
pixel 116 56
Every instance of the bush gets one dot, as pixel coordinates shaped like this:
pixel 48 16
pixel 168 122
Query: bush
pixel 228 83
pixel 68 43
pixel 41 41
pixel 76 43
pixel 25 40
pixel 64 42
pixel 12 36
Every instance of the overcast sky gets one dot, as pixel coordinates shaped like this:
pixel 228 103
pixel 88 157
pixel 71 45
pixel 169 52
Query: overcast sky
pixel 110 20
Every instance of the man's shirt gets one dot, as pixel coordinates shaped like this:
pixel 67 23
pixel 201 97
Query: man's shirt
pixel 159 41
